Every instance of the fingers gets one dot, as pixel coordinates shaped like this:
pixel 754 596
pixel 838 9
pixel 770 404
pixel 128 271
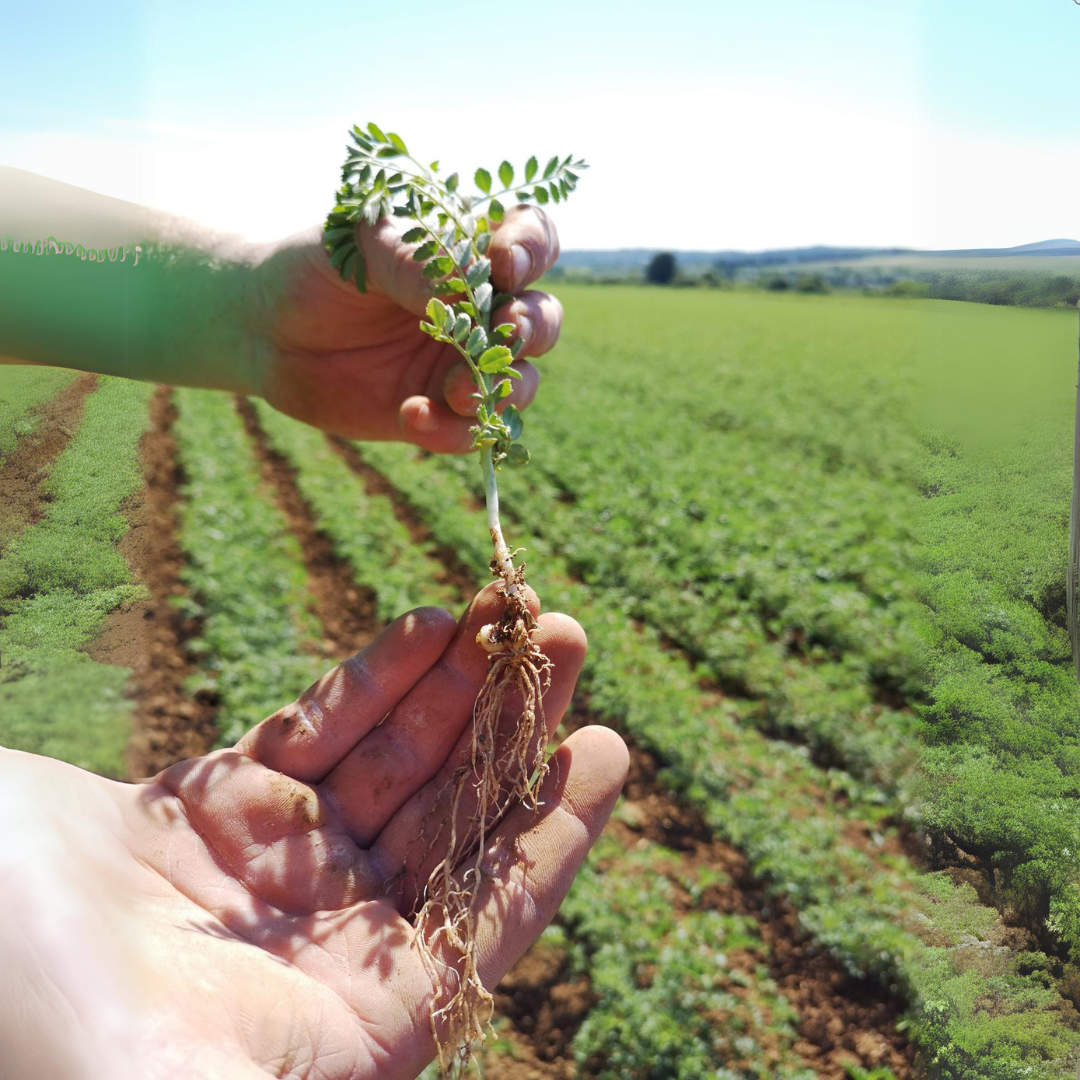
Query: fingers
pixel 434 426
pixel 272 832
pixel 308 738
pixel 524 247
pixel 416 839
pixel 532 859
pixel 538 317
pixel 458 389
pixel 412 746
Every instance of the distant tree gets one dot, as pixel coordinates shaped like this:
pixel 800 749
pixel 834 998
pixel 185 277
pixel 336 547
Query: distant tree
pixel 774 282
pixel 812 283
pixel 661 269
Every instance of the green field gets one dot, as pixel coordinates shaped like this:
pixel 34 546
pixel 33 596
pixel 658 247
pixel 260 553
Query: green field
pixel 817 543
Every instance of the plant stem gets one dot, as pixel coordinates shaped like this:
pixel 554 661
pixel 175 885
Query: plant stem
pixel 491 495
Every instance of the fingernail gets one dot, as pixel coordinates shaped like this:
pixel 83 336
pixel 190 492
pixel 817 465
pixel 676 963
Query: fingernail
pixel 525 329
pixel 522 263
pixel 425 420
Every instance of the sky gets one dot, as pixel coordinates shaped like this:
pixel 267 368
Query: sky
pixel 726 124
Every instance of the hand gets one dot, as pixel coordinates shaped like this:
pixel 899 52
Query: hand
pixel 244 912
pixel 357 365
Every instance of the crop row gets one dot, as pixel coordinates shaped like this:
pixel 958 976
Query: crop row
pixel 834 855
pixel 60 578
pixel 24 390
pixel 1003 756
pixel 758 509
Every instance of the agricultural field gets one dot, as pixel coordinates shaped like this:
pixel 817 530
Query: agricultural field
pixel 817 545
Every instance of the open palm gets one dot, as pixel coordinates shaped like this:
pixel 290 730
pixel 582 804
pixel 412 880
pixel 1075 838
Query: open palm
pixel 246 913
pixel 357 365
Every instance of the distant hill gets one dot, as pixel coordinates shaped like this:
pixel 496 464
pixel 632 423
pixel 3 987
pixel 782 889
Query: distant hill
pixel 1043 247
pixel 634 260
pixel 629 260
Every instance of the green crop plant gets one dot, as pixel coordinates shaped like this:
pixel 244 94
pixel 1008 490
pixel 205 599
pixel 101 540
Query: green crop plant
pixel 452 232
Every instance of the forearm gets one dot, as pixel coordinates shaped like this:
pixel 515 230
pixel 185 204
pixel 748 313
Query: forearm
pixel 121 289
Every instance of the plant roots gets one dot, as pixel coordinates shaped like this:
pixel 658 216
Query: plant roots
pixel 504 767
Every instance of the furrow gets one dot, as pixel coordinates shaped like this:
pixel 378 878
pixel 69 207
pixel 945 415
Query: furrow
pixel 346 605
pixel 152 636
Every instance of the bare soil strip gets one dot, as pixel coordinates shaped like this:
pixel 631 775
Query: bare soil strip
pixel 458 573
pixel 345 608
pixel 151 636
pixel 843 1021
pixel 22 502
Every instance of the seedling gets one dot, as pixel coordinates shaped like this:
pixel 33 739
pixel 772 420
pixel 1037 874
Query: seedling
pixel 453 233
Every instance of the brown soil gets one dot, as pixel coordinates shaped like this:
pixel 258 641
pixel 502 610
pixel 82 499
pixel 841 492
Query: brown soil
pixel 843 1021
pixel 345 609
pixel 458 573
pixel 22 502
pixel 150 637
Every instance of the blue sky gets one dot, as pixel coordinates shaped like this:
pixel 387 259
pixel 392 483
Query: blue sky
pixel 722 124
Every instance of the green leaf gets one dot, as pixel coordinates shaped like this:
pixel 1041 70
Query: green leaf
pixel 396 140
pixel 331 236
pixel 431 270
pixel 461 328
pixel 376 132
pixel 540 195
pixel 564 187
pixel 425 251
pixel 495 359
pixel 503 330
pixel 506 173
pixel 496 210
pixel 530 169
pixel 513 373
pixel 452 183
pixel 516 454
pixel 438 313
pixel 469 310
pixel 477 342
pixel 445 264
pixel 349 265
pixel 462 252
pixel 482 179
pixel 550 167
pixel 482 296
pixel 483 242
pixel 516 347
pixel 523 196
pixel 388 152
pixel 554 189
pixel 452 285
pixel 478 273
pixel 504 389
pixel 414 236
pixel 431 331
pixel 500 299
pixel 512 419
pixel 341 253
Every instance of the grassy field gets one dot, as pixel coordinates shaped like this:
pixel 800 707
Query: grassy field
pixel 816 543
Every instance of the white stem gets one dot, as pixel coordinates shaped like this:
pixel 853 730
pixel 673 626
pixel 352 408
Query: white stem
pixel 491 494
